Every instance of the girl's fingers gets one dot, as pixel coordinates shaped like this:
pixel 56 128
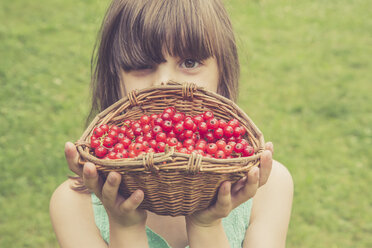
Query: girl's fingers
pixel 269 146
pixel 110 189
pixel 265 167
pixel 133 201
pixel 91 179
pixel 250 188
pixel 72 158
pixel 223 205
pixel 238 185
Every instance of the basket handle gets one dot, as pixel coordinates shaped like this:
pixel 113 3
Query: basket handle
pixel 188 89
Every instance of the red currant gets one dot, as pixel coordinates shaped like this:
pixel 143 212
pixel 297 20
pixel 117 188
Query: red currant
pixel 238 148
pixel 145 119
pixel 218 133
pixel 201 145
pixel 244 142
pixel 188 134
pixel 138 147
pixel 188 124
pixel 171 134
pixel 139 139
pixel 113 134
pixel 220 154
pixel 98 132
pixel 172 141
pixel 179 145
pixel 228 149
pixel 119 147
pixel 127 123
pixel 237 131
pixel 220 144
pixel 111 155
pixel 242 131
pixel 209 136
pixel 222 123
pixel 178 128
pixel 228 131
pixel 248 151
pixel 114 128
pixel 158 121
pixel 188 142
pixel 233 123
pixel 160 146
pixel 148 136
pixel 130 134
pixel 177 117
pixel 137 131
pixel 121 136
pixel 202 127
pixel 108 142
pixel 153 143
pixel 208 115
pixel 95 143
pixel 157 129
pixel 161 137
pixel 100 151
pixel 132 154
pixel 197 119
pixel 166 116
pixel 105 128
pixel 170 110
pixel 211 148
pixel 167 125
pixel 121 155
pixel 212 123
pixel 146 128
pixel 190 148
pixel 150 149
pixel 126 142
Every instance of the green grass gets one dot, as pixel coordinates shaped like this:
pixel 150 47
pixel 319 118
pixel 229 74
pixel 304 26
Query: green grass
pixel 306 83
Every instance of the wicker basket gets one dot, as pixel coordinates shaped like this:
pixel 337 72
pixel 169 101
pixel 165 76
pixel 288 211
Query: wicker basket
pixel 174 183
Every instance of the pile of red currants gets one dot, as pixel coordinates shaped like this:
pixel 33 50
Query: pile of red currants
pixel 203 134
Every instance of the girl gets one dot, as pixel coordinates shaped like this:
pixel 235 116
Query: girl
pixel 144 43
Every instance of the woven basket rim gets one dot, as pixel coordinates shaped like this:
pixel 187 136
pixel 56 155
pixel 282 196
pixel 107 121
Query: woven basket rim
pixel 192 90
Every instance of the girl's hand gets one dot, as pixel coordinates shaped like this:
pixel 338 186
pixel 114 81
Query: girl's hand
pixel 230 196
pixel 122 212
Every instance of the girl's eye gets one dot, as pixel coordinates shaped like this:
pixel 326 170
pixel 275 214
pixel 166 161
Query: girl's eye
pixel 190 63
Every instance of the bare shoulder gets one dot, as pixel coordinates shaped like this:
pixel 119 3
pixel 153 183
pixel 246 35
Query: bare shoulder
pixel 271 210
pixel 72 218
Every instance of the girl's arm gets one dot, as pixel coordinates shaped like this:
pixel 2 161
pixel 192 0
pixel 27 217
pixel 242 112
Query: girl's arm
pixel 72 215
pixel 271 211
pixel 72 218
pixel 204 228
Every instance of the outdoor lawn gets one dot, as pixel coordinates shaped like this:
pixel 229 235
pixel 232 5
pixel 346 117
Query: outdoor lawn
pixel 306 82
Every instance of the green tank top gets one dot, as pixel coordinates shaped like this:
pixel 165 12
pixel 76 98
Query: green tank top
pixel 235 225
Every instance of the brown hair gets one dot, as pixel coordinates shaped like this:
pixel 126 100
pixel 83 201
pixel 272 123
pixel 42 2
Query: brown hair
pixel 134 35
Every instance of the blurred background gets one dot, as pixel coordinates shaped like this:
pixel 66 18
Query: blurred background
pixel 306 82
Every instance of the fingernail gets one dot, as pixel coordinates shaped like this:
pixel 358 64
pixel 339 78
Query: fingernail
pixel 227 188
pixel 137 195
pixel 111 178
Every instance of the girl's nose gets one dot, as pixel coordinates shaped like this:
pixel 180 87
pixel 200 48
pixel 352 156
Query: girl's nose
pixel 164 74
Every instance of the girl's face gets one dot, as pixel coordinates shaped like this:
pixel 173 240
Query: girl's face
pixel 203 73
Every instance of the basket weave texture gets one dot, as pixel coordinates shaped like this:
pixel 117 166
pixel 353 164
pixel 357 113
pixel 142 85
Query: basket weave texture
pixel 174 183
